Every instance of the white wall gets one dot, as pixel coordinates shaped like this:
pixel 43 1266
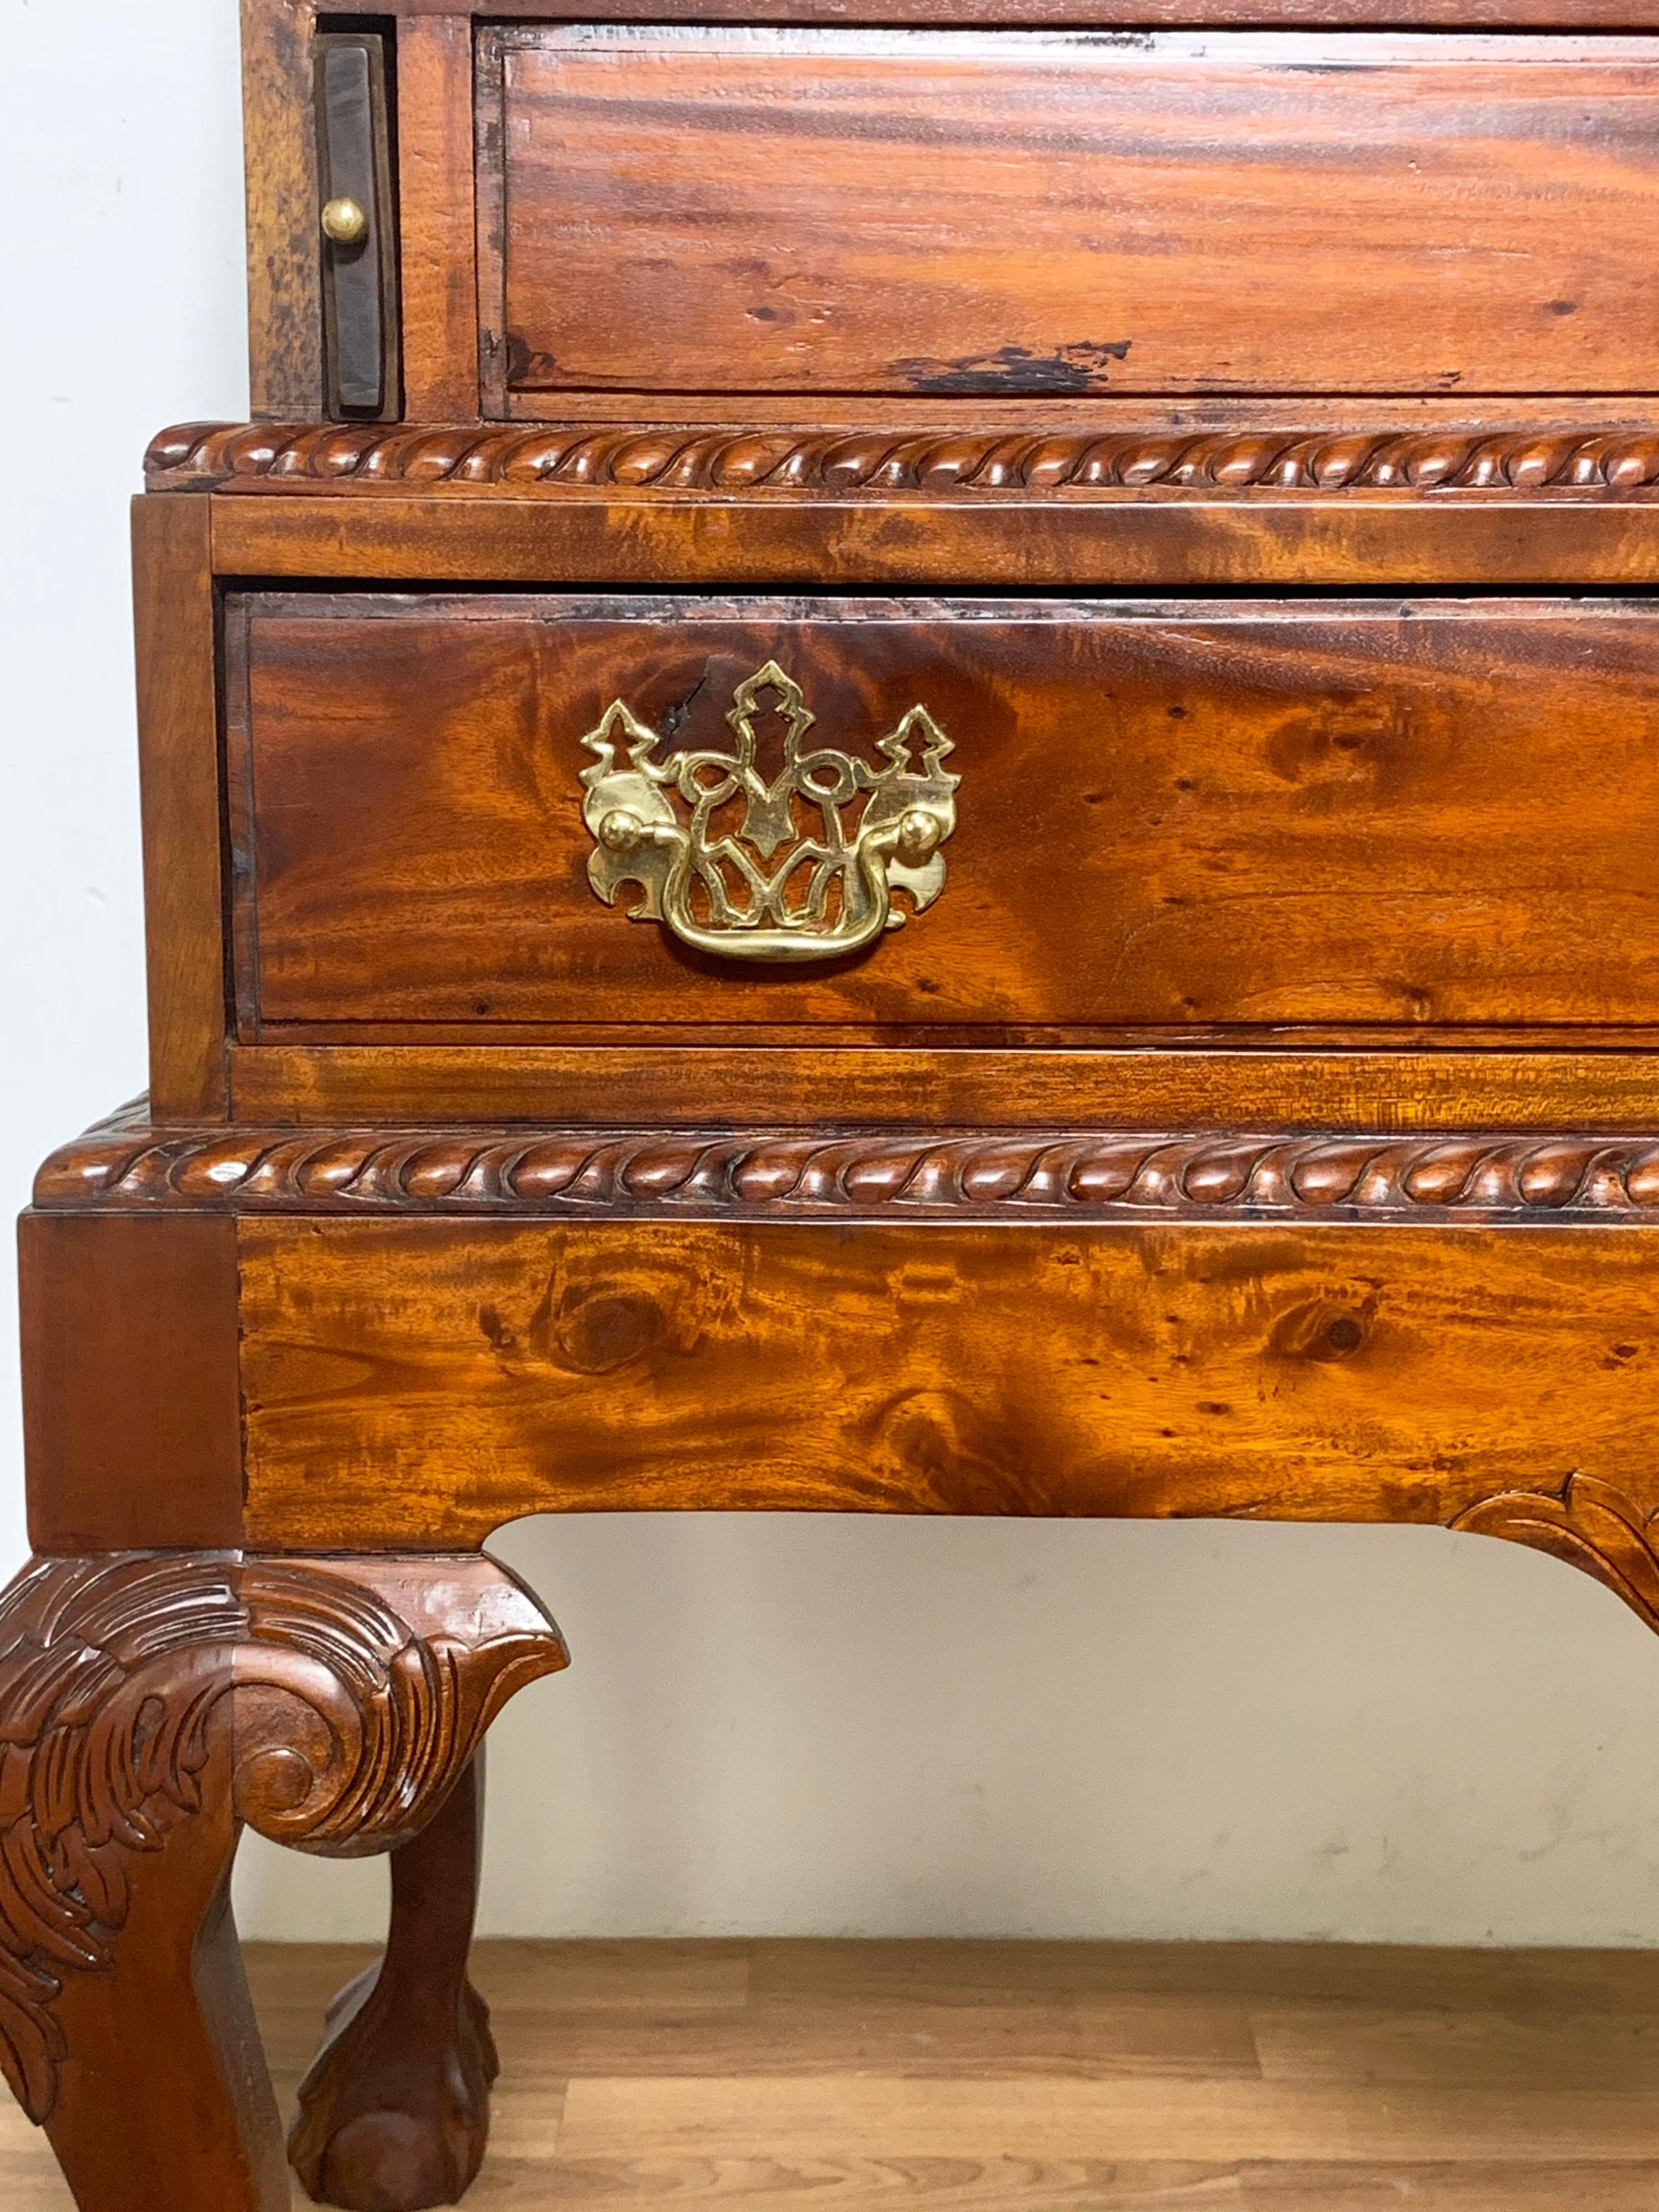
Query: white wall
pixel 783 1725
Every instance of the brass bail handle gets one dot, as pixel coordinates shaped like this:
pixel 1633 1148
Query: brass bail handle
pixel 769 890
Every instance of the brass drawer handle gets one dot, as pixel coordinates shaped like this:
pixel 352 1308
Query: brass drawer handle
pixel 717 886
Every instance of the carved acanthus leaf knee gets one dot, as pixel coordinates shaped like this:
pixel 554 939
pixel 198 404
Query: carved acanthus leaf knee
pixel 358 1690
pixel 1592 1525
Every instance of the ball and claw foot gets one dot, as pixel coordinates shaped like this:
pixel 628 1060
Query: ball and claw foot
pixel 381 2130
pixel 394 2114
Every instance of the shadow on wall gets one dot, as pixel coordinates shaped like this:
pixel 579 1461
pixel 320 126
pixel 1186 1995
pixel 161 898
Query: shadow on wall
pixel 782 1724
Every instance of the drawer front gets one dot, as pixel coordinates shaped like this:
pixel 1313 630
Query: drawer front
pixel 708 209
pixel 1135 814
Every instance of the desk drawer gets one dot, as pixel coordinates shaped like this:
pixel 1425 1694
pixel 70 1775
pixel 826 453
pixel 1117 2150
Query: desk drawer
pixel 1139 815
pixel 704 208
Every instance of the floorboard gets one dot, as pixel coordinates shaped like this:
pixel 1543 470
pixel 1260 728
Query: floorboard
pixel 807 2076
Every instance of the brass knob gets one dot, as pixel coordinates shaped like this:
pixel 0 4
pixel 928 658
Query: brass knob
pixel 920 834
pixel 345 222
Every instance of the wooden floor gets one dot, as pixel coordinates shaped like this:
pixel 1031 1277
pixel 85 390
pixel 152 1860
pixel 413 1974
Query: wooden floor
pixel 971 2077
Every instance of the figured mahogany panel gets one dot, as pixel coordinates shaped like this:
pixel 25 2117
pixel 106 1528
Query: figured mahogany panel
pixel 1208 1085
pixel 1169 815
pixel 447 1375
pixel 716 208
pixel 1128 542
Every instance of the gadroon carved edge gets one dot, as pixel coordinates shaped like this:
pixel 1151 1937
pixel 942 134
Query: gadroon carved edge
pixel 934 462
pixel 1072 1175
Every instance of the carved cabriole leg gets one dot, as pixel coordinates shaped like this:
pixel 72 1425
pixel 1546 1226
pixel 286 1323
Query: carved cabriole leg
pixel 150 1704
pixel 125 2023
pixel 1591 1524
pixel 394 2114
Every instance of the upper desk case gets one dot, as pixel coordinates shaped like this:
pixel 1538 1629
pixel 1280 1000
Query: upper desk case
pixel 922 208
pixel 1034 563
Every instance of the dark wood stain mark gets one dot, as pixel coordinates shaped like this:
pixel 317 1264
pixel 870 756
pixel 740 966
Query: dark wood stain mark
pixel 1079 367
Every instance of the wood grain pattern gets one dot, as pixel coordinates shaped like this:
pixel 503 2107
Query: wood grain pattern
pixel 1221 2123
pixel 1418 814
pixel 176 628
pixel 1073 2036
pixel 883 460
pixel 1425 1979
pixel 132 1418
pixel 452 1375
pixel 1170 1085
pixel 1129 542
pixel 728 209
pixel 435 216
pixel 1492 2050
pixel 284 266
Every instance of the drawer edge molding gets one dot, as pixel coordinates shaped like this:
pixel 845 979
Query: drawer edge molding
pixel 787 1175
pixel 877 462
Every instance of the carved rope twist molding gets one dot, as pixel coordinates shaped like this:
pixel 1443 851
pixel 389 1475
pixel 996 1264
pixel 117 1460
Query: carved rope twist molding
pixel 358 1691
pixel 1066 1173
pixel 933 461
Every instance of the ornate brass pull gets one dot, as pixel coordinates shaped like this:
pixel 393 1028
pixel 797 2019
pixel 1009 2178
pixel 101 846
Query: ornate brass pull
pixel 717 888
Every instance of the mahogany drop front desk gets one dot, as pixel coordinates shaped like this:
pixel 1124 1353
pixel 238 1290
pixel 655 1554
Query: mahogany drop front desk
pixel 911 769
